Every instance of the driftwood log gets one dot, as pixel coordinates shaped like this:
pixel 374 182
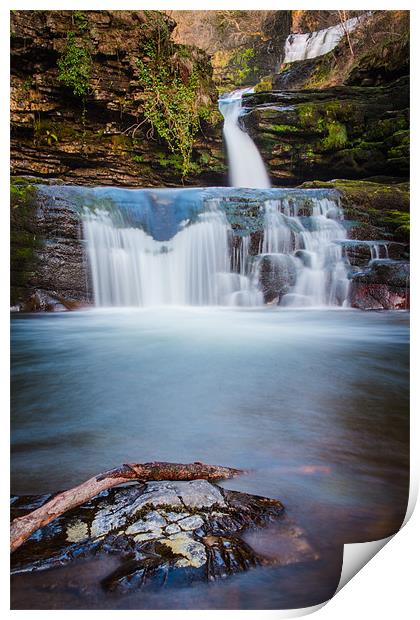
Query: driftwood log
pixel 23 527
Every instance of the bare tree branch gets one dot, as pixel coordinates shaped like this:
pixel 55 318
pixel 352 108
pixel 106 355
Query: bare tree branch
pixel 23 527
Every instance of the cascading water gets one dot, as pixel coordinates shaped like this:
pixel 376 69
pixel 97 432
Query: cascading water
pixel 200 260
pixel 130 268
pixel 246 167
pixel 295 258
pixel 313 44
pixel 300 253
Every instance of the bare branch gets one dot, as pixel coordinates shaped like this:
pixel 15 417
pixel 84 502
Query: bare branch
pixel 23 527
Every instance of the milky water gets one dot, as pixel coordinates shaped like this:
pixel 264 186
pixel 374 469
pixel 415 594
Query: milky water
pixel 318 43
pixel 198 262
pixel 314 403
pixel 246 167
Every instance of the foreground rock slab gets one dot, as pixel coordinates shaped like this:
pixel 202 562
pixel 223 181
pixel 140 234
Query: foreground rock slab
pixel 164 533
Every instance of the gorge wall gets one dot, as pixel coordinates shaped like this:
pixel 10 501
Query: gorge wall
pixel 80 115
pixel 77 103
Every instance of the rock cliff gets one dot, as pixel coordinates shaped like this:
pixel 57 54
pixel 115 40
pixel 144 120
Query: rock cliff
pixel 77 103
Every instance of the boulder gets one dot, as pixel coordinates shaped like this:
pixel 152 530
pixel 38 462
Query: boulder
pixel 384 285
pixel 276 275
pixel 164 532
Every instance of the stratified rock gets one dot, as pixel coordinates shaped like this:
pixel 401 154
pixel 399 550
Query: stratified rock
pixel 338 132
pixel 164 532
pixel 101 138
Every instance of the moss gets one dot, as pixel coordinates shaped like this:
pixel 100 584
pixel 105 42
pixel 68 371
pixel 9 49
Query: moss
pixel 264 85
pixel 23 239
pixel 400 220
pixel 401 147
pixel 308 114
pixel 379 209
pixel 337 136
pixel 383 128
pixel 283 129
pixel 235 67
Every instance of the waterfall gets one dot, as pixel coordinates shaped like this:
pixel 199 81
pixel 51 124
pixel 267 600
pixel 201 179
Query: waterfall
pixel 197 256
pixel 130 268
pixel 301 264
pixel 246 167
pixel 313 44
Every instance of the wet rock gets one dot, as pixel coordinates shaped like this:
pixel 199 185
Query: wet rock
pixel 384 285
pixel 276 275
pixel 192 552
pixel 191 523
pixel 106 521
pixel 139 538
pixel 156 494
pixel 196 494
pixel 306 257
pixel 360 252
pixel 176 516
pixel 173 528
pixel 193 533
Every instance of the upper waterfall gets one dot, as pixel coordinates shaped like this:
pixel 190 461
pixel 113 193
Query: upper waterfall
pixel 246 167
pixel 313 44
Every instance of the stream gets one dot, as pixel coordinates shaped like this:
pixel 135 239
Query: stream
pixel 313 402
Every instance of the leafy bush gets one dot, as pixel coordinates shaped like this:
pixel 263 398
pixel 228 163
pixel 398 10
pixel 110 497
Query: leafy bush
pixel 171 103
pixel 75 66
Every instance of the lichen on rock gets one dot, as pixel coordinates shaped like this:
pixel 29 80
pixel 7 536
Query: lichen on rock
pixel 195 527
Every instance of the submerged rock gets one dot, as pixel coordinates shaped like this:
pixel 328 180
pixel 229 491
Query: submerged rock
pixel 164 532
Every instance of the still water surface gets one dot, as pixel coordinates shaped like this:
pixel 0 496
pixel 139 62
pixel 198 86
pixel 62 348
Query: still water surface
pixel 315 402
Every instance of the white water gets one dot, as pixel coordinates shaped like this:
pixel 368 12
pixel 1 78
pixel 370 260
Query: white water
pixel 246 167
pixel 313 44
pixel 130 268
pixel 202 266
pixel 302 249
pixel 298 263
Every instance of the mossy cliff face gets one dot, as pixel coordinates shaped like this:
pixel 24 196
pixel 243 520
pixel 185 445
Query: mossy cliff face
pixel 341 132
pixel 78 104
pixel 24 239
pixel 375 209
pixel 48 268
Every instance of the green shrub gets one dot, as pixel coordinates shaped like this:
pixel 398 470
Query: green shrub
pixel 75 66
pixel 171 103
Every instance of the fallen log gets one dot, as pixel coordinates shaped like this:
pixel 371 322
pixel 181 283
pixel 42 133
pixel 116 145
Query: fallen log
pixel 23 527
